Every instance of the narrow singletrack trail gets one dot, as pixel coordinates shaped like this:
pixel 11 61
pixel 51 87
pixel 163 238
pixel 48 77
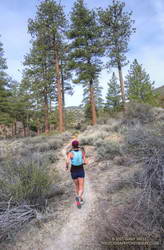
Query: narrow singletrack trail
pixel 69 230
pixel 72 234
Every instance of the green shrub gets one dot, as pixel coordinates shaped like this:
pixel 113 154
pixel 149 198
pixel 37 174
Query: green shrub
pixel 86 140
pixel 33 140
pixel 44 143
pixel 41 147
pixel 107 150
pixel 51 156
pixel 62 136
pixel 52 144
pixel 55 143
pixel 93 136
pixel 143 142
pixel 26 179
pixel 119 185
pixel 46 146
pixel 141 112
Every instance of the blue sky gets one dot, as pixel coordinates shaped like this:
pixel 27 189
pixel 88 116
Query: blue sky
pixel 147 44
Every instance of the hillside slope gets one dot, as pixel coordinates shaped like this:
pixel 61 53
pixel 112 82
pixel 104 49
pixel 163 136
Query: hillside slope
pixel 160 90
pixel 123 190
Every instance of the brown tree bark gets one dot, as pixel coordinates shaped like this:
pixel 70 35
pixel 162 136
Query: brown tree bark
pixel 50 105
pixel 27 125
pixel 15 127
pixel 62 83
pixel 12 129
pixel 46 111
pixel 93 105
pixel 121 84
pixel 37 125
pixel 59 94
pixel 24 131
pixel 63 96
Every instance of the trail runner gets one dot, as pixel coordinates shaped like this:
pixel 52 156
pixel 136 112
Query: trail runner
pixel 77 157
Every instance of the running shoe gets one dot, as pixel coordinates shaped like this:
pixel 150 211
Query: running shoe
pixel 81 201
pixel 78 202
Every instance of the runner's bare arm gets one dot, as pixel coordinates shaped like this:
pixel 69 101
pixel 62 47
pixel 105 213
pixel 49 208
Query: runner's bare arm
pixel 84 158
pixel 69 156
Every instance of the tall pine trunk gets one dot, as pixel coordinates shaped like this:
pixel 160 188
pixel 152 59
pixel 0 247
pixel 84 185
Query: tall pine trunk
pixel 121 83
pixel 59 94
pixel 92 101
pixel 38 127
pixel 12 129
pixel 50 105
pixel 24 130
pixel 27 126
pixel 15 127
pixel 46 112
pixel 62 83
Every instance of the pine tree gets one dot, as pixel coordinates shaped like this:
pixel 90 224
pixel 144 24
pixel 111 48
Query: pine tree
pixel 21 106
pixel 113 97
pixel 48 29
pixel 97 94
pixel 38 77
pixel 139 86
pixel 85 49
pixel 66 75
pixel 5 93
pixel 117 28
pixel 97 90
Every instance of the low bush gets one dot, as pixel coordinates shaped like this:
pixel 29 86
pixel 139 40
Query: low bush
pixel 51 156
pixel 49 144
pixel 55 143
pixel 24 169
pixel 143 215
pixel 141 112
pixel 119 185
pixel 143 143
pixel 86 140
pixel 107 150
pixel 40 147
pixel 33 140
pixel 25 179
pixel 89 138
pixel 107 117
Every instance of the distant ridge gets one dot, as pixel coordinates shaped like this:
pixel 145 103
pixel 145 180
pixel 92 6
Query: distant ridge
pixel 160 90
pixel 74 107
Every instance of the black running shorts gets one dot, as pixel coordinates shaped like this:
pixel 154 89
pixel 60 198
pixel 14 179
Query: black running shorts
pixel 77 172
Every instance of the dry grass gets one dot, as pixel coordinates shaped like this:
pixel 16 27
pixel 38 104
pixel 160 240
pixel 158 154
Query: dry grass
pixel 25 179
pixel 131 182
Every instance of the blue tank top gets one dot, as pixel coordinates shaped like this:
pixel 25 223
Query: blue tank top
pixel 77 159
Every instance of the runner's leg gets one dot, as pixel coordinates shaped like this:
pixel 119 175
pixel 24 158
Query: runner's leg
pixel 77 193
pixel 81 186
pixel 76 186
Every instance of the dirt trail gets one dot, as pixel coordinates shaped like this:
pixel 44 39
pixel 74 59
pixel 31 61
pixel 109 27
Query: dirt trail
pixel 72 234
pixel 68 230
